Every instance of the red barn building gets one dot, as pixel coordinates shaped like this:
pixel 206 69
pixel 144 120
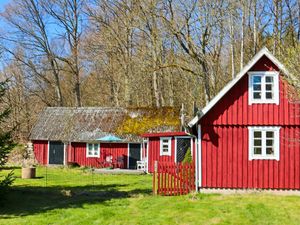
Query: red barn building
pixel 85 136
pixel 248 135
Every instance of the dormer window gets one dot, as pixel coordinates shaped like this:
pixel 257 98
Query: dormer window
pixel 263 87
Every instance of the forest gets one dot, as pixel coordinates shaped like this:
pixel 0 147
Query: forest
pixel 134 53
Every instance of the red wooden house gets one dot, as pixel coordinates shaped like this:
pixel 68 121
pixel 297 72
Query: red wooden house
pixel 86 136
pixel 167 147
pixel 248 135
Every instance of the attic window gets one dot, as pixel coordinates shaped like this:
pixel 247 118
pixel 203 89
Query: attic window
pixel 263 87
pixel 92 150
pixel 165 146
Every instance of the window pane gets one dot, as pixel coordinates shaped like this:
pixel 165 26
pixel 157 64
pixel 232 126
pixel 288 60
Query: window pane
pixel 257 151
pixel 96 149
pixel 269 87
pixel 257 143
pixel 90 147
pixel 257 95
pixel 269 95
pixel 270 134
pixel 165 141
pixel 257 134
pixel 256 87
pixel 270 151
pixel 165 149
pixel 256 79
pixel 269 142
pixel 269 79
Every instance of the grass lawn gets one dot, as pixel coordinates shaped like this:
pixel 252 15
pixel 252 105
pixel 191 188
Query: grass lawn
pixel 73 196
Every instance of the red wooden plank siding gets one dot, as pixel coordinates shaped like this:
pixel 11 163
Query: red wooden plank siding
pixel 238 172
pixel 154 153
pixel 233 108
pixel 106 149
pixel 225 162
pixel 40 149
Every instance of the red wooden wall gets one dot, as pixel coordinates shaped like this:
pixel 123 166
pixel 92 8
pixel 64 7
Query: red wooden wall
pixel 77 153
pixel 40 149
pixel 154 152
pixel 225 162
pixel 224 128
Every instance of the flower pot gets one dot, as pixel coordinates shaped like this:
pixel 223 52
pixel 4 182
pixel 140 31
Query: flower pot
pixel 28 172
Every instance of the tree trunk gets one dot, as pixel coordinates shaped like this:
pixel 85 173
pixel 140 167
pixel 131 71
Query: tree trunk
pixel 232 47
pixel 242 36
pixel 254 28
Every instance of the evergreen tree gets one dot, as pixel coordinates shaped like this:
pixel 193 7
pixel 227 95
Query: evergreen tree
pixel 188 156
pixel 6 142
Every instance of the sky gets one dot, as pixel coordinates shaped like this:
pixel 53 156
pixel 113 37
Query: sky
pixel 3 3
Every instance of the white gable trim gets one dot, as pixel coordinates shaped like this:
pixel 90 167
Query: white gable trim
pixel 242 73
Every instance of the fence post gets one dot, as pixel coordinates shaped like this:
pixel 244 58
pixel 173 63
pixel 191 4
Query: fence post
pixel 154 178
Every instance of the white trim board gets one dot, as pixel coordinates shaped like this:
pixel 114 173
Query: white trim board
pixel 128 146
pixel 263 52
pixel 147 150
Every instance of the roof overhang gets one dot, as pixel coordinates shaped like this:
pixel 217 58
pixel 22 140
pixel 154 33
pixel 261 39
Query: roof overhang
pixel 263 52
pixel 164 134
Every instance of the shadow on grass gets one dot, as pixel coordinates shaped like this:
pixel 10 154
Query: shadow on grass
pixel 10 168
pixel 29 200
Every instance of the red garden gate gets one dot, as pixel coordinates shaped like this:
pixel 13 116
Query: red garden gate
pixel 172 178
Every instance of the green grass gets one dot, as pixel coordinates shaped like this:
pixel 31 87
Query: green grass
pixel 74 196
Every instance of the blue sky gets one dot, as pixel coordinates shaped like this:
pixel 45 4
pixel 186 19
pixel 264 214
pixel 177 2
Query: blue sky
pixel 3 3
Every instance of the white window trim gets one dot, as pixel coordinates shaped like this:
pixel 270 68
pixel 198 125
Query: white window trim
pixel 275 74
pixel 87 150
pixel 169 146
pixel 276 131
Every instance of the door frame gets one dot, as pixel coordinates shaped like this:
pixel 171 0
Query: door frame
pixel 64 161
pixel 176 137
pixel 128 152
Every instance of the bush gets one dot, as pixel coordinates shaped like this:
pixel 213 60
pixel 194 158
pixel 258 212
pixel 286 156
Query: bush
pixel 188 156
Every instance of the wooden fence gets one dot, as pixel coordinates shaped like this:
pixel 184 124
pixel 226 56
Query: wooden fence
pixel 172 178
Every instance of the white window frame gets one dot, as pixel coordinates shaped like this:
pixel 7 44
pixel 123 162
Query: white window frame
pixel 263 100
pixel 169 139
pixel 263 129
pixel 92 155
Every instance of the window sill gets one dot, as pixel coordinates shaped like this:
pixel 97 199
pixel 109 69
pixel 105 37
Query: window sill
pixel 164 154
pixel 263 102
pixel 256 158
pixel 90 156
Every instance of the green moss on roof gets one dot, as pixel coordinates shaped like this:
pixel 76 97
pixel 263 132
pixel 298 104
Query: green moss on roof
pixel 150 120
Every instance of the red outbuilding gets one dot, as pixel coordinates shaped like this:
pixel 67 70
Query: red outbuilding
pixel 167 147
pixel 86 136
pixel 249 134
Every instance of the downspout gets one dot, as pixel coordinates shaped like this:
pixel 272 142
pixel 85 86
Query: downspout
pixel 199 156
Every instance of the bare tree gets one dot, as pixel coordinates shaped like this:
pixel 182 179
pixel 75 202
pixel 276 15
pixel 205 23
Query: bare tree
pixel 29 31
pixel 68 15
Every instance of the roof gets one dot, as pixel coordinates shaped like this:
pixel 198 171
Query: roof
pixel 84 124
pixel 164 134
pixel 263 52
